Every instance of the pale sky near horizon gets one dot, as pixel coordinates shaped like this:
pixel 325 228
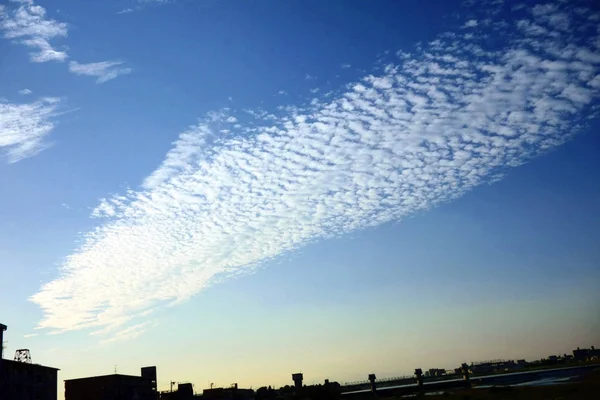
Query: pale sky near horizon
pixel 235 191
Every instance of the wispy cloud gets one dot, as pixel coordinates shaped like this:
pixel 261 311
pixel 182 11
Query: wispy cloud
pixel 427 129
pixel 45 52
pixel 127 334
pixel 346 66
pixel 23 128
pixel 103 71
pixel 143 2
pixel 27 23
pixel 25 92
pixel 139 5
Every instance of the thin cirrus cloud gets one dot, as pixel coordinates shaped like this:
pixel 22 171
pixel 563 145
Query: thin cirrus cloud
pixel 429 128
pixel 103 71
pixel 27 23
pixel 24 127
pixel 128 333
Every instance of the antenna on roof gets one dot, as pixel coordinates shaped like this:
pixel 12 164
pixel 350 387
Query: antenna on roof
pixel 115 369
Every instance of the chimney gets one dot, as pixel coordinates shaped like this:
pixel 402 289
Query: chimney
pixel 2 329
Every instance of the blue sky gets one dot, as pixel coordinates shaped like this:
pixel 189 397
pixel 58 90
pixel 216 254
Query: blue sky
pixel 335 187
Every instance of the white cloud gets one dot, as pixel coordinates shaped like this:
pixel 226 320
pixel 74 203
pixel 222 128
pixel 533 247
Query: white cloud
pixel 449 117
pixel 309 77
pixel 45 51
pixel 595 83
pixel 282 93
pixel 103 71
pixel 470 24
pixel 346 66
pixel 25 92
pixel 27 23
pixel 125 11
pixel 23 128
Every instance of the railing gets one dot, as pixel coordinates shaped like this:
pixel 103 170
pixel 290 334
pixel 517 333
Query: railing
pixel 379 381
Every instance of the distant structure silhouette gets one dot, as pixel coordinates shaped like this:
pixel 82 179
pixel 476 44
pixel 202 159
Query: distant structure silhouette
pixel 297 378
pixel 372 379
pixel 419 376
pixel 466 374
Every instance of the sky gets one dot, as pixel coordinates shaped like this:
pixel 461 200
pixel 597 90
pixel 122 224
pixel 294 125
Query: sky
pixel 235 191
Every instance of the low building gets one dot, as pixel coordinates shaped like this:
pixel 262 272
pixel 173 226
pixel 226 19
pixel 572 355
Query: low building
pixel 24 381
pixel 436 372
pixel 552 359
pixel 113 387
pixel 20 379
pixel 586 354
pixel 492 367
pixel 185 391
pixel 231 393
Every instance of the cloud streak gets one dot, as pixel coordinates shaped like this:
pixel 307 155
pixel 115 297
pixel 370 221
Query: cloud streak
pixel 23 128
pixel 104 71
pixel 431 127
pixel 127 334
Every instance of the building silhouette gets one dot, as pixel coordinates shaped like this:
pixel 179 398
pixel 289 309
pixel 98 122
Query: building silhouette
pixel 114 387
pixel 20 379
pixel 586 354
pixel 185 391
pixel 230 393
